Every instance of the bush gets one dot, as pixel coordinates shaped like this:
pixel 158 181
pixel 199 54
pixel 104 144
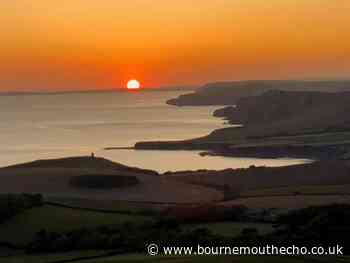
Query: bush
pixel 320 226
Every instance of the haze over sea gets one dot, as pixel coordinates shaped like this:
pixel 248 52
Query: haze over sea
pixel 51 126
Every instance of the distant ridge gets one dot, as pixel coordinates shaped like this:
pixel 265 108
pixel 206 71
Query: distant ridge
pixel 228 93
pixel 301 85
pixel 30 93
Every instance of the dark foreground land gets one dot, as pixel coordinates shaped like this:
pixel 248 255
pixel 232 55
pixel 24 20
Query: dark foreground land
pixel 247 207
pixel 84 209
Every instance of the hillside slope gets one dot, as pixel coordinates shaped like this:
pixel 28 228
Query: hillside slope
pixel 53 178
pixel 290 112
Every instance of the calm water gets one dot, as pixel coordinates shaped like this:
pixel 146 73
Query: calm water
pixel 50 126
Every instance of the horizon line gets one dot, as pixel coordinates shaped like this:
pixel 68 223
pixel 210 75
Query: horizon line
pixel 161 88
pixel 72 91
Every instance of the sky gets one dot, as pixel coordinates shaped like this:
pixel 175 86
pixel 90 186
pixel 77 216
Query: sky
pixel 99 44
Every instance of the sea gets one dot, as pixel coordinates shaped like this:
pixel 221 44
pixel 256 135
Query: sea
pixel 43 126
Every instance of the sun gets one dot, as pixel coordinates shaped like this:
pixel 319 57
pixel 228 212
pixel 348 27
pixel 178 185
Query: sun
pixel 133 84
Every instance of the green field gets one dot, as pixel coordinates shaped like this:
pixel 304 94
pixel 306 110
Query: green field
pixel 111 205
pixel 213 259
pixel 309 189
pixel 44 258
pixel 231 229
pixel 23 227
pixel 139 258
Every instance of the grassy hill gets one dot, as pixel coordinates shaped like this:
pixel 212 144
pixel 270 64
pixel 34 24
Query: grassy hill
pixel 277 113
pixel 317 173
pixel 82 162
pixel 54 177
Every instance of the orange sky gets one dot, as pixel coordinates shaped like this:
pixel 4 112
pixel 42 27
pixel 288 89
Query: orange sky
pixel 83 44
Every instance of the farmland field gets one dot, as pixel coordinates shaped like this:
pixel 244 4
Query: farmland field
pixel 231 229
pixel 44 258
pixel 208 259
pixel 308 189
pixel 140 258
pixel 109 205
pixel 294 202
pixel 23 227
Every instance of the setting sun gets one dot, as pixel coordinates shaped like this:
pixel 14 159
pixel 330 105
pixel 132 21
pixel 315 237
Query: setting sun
pixel 133 84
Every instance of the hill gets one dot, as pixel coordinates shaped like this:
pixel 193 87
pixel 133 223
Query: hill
pixel 290 111
pixel 53 178
pixel 238 180
pixel 228 93
pixel 79 162
pixel 287 187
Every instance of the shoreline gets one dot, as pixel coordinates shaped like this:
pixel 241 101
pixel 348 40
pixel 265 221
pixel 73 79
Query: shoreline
pixel 277 121
pixel 310 152
pixel 119 148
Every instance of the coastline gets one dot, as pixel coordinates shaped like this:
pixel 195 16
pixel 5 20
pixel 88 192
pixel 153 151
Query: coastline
pixel 311 152
pixel 274 124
